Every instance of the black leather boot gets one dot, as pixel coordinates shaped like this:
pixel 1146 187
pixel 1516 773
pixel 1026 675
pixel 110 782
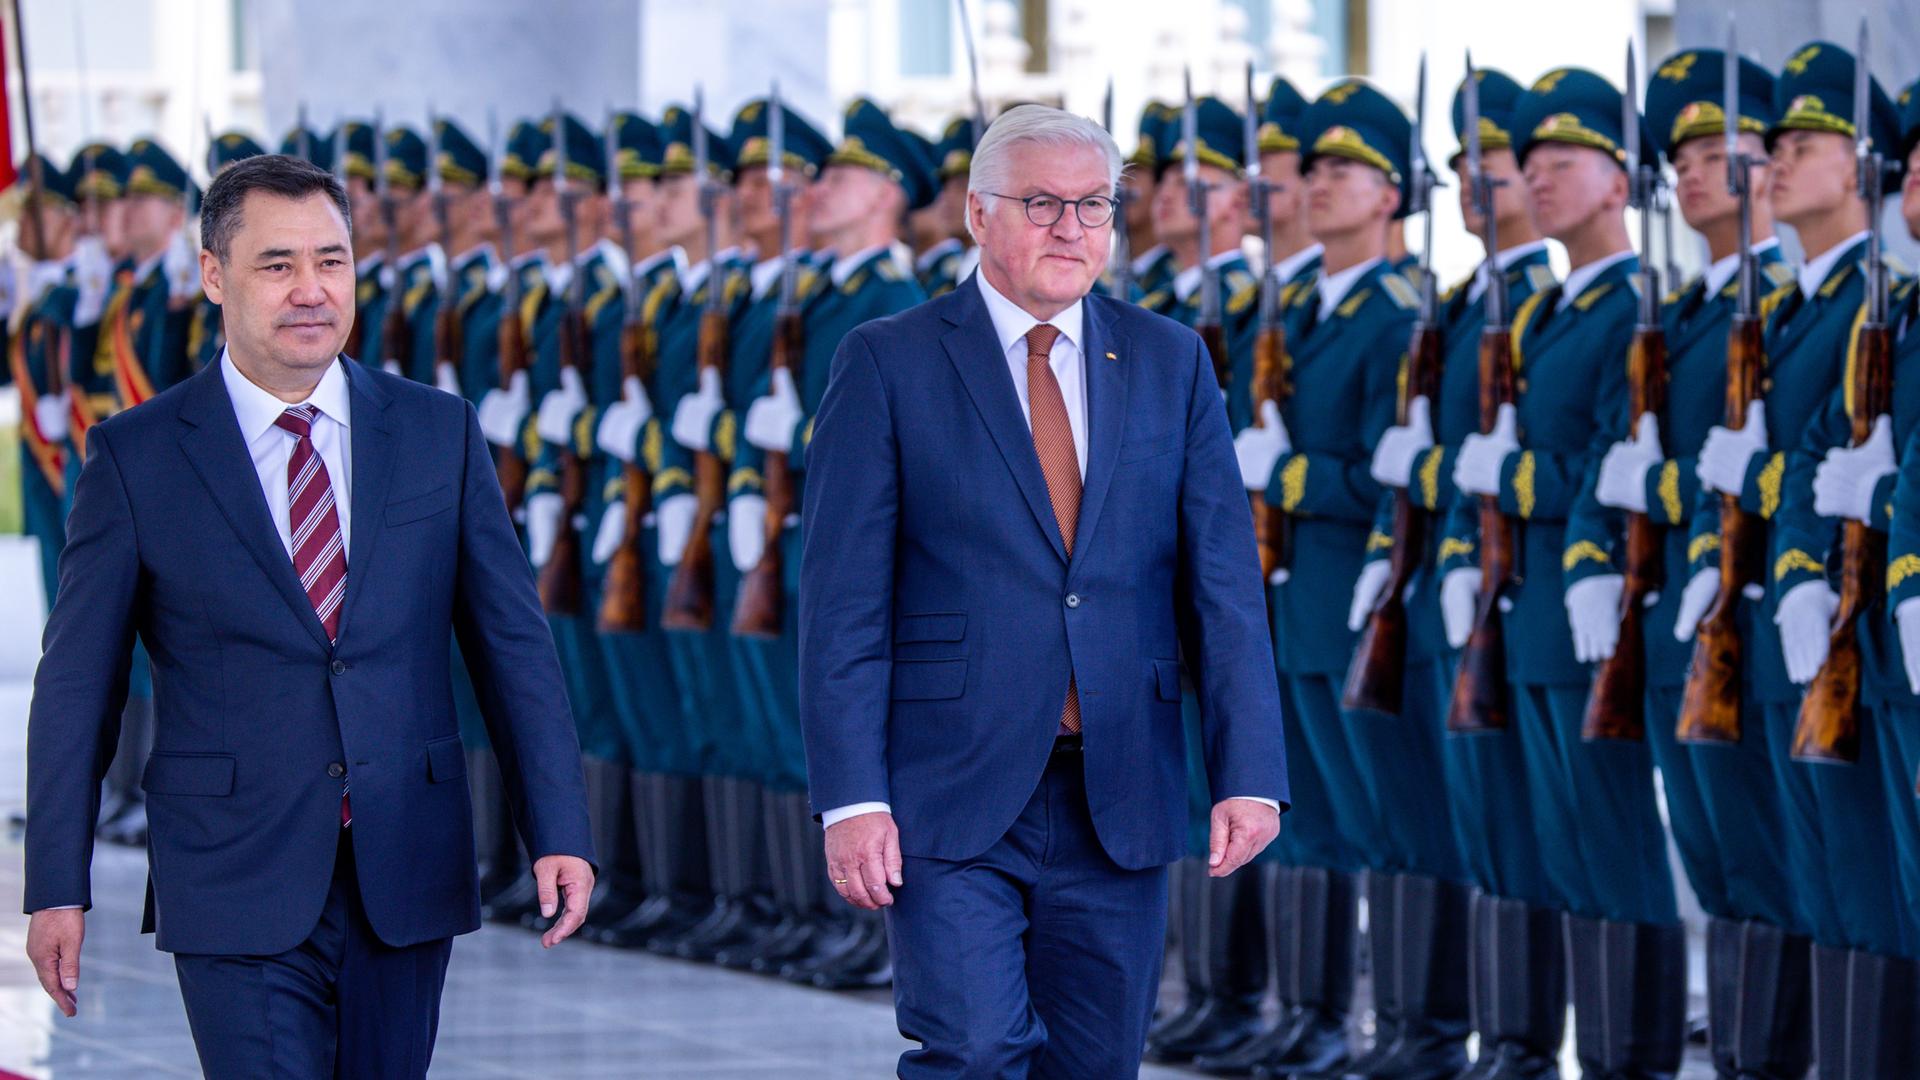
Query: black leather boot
pixel 1526 983
pixel 1274 1041
pixel 1231 943
pixel 1316 985
pixel 1419 980
pixel 668 817
pixel 1629 997
pixel 1772 996
pixel 1864 1011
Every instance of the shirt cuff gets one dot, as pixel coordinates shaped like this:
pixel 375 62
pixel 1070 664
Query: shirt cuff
pixel 1274 803
pixel 841 813
pixel 59 907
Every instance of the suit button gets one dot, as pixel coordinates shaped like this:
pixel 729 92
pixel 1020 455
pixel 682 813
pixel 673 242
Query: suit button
pixel 1073 599
pixel 336 770
pixel 339 667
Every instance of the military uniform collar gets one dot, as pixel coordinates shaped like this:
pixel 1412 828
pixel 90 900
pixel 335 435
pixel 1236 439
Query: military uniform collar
pixel 1815 272
pixel 433 256
pixel 1334 287
pixel 1144 261
pixel 648 265
pixel 765 274
pixel 927 259
pixel 1719 274
pixel 1186 281
pixel 1582 276
pixel 371 263
pixel 482 251
pixel 843 269
pixel 612 254
pixel 1290 267
pixel 1504 259
pixel 146 267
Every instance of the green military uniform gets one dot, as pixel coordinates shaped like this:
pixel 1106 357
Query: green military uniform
pixel 1152 269
pixel 944 265
pixel 41 321
pixel 420 275
pixel 1569 349
pixel 205 336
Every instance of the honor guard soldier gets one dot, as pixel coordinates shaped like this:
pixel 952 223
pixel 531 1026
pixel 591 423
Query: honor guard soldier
pixel 36 348
pixel 100 177
pixel 359 166
pixel 950 258
pixel 1592 801
pixel 1294 260
pixel 1835 818
pixel 1826 542
pixel 421 270
pixel 1723 800
pixel 206 338
pixel 873 178
pixel 1309 456
pixel 469 364
pixel 1151 268
pixel 1484 774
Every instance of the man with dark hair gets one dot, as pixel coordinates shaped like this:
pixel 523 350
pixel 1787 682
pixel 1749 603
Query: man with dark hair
pixel 312 850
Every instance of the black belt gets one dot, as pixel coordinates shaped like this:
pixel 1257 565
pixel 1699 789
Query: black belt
pixel 1066 744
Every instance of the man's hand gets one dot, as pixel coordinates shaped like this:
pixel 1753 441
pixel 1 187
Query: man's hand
pixel 863 860
pixel 1242 828
pixel 53 946
pixel 558 876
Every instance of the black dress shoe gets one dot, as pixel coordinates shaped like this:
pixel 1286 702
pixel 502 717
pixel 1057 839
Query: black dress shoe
pixel 660 913
pixel 854 941
pixel 1270 1045
pixel 870 968
pixel 609 911
pixel 782 946
pixel 1320 1046
pixel 1224 1024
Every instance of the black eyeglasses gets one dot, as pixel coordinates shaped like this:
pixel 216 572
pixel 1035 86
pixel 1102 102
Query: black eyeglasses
pixel 1044 210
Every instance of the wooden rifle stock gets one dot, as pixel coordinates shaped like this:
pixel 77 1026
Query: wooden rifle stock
pixel 1480 697
pixel 448 346
pixel 394 336
pixel 1376 679
pixel 508 463
pixel 560 578
pixel 1271 525
pixel 623 599
pixel 1829 726
pixel 690 592
pixel 1710 707
pixel 1617 702
pixel 759 611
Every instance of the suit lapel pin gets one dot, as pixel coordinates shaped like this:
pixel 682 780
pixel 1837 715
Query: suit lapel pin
pixel 1110 356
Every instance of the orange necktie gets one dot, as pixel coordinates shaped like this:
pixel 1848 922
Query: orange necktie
pixel 1053 442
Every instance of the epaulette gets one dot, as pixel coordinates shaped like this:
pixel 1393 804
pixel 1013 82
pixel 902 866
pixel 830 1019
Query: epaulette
pixel 1154 299
pixel 737 286
pixel 1778 272
pixel 1242 288
pixel 1540 276
pixel 1400 291
pixel 889 270
pixel 804 279
pixel 1834 281
pixel 1586 300
pixel 1352 303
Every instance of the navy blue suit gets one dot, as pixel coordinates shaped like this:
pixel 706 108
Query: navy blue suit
pixel 260 718
pixel 940 621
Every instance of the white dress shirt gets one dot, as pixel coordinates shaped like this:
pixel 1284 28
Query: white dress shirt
pixel 1813 272
pixel 1721 271
pixel 271 447
pixel 1289 267
pixel 1505 259
pixel 1069 364
pixel 1334 287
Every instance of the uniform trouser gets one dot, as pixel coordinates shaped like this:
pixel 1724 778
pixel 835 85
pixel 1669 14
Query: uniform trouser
pixel 1491 808
pixel 703 674
pixel 1593 804
pixel 1406 788
pixel 1900 771
pixel 43 518
pixel 768 673
pixel 1724 805
pixel 1840 815
pixel 1331 823
pixel 588 688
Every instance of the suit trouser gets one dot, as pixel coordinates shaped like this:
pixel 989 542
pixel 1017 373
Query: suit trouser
pixel 1601 838
pixel 1039 957
pixel 340 1004
pixel 1840 813
pixel 1724 804
pixel 1407 792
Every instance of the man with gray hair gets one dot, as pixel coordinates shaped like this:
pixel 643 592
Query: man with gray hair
pixel 1021 516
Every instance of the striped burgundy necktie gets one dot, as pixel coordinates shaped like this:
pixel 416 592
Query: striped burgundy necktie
pixel 1059 463
pixel 319 547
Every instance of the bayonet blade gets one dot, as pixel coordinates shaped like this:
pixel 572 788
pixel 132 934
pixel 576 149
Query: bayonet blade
pixel 560 178
pixel 610 143
pixel 1730 97
pixel 1106 108
pixel 1471 93
pixel 379 154
pixel 1190 132
pixel 776 137
pixel 433 151
pixel 1421 181
pixel 496 153
pixel 699 136
pixel 1630 128
pixel 302 139
pixel 1250 129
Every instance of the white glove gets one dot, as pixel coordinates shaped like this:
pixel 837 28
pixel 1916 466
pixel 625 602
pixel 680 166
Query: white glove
pixel 1701 591
pixel 612 530
pixel 181 265
pixel 1476 469
pixel 773 419
pixel 693 418
pixel 50 415
pixel 674 520
pixel 93 279
pixel 560 407
pixel 1259 446
pixel 543 525
pixel 9 289
pixel 1593 611
pixel 1623 472
pixel 1805 618
pixel 503 411
pixel 1459 595
pixel 446 379
pixel 1907 616
pixel 1366 592
pixel 391 366
pixel 747 531
pixel 1393 455
pixel 1725 455
pixel 1843 484
pixel 620 425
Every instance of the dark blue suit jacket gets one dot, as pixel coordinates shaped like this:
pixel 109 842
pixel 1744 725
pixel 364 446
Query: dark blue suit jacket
pixel 940 616
pixel 170 538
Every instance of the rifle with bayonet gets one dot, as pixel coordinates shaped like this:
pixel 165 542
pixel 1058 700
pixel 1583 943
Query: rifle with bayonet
pixel 511 337
pixel 1710 706
pixel 1617 702
pixel 446 317
pixel 1376 679
pixel 560 584
pixel 1122 263
pixel 760 609
pixel 395 341
pixel 1208 325
pixel 1829 724
pixel 1480 697
pixel 1269 382
pixel 690 592
pixel 623 597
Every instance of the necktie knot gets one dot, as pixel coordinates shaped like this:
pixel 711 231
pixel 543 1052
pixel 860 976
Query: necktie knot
pixel 298 419
pixel 1040 340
